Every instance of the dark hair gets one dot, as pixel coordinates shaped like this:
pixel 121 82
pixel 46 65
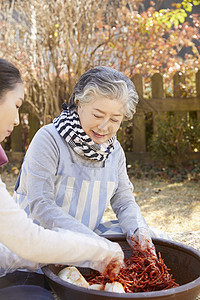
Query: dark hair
pixel 9 76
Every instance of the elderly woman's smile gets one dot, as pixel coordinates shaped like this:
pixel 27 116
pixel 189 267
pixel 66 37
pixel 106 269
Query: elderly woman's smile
pixel 101 118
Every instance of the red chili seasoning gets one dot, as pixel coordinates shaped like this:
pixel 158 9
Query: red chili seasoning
pixel 141 273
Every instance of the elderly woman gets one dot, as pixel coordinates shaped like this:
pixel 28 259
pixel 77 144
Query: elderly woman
pixel 75 166
pixel 31 242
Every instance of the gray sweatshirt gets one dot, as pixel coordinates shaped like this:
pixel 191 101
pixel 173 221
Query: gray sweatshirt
pixel 59 188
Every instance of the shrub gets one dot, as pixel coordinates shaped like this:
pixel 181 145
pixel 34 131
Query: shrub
pixel 176 136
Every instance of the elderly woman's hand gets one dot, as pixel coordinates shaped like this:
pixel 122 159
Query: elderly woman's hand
pixel 140 241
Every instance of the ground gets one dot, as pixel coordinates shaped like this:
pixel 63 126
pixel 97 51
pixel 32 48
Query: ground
pixel 171 207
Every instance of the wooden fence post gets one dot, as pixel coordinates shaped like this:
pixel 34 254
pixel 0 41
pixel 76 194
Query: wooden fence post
pixel 157 86
pixel 16 139
pixel 33 120
pixel 139 130
pixel 137 80
pixel 157 92
pixel 178 80
pixel 139 133
pixel 34 125
pixel 198 92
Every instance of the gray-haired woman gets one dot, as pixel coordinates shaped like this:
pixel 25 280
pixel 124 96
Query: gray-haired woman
pixel 31 242
pixel 75 166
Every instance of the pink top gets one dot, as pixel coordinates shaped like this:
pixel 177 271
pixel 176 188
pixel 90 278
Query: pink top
pixel 3 157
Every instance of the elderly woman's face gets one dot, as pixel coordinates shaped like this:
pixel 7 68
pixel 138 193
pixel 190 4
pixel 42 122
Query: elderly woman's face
pixel 9 110
pixel 101 118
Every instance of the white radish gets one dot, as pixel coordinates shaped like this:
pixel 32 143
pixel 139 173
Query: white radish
pixel 115 287
pixel 98 287
pixel 72 275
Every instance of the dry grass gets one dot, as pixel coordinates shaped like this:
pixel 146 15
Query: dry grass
pixel 171 207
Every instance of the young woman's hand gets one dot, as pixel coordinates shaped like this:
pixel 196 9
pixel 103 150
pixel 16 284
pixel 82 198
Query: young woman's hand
pixel 114 266
pixel 112 262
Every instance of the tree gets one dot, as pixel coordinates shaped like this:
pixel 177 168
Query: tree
pixel 178 14
pixel 53 43
pixel 145 45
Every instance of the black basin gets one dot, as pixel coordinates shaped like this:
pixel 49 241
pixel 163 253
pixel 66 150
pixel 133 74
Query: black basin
pixel 183 261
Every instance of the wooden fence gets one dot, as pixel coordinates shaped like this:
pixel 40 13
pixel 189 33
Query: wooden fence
pixel 157 106
pixel 137 129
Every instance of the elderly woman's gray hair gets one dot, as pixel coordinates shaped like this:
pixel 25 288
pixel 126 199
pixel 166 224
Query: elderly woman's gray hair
pixel 109 83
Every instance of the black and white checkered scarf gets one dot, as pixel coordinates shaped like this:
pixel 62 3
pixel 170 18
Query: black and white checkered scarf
pixel 69 127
